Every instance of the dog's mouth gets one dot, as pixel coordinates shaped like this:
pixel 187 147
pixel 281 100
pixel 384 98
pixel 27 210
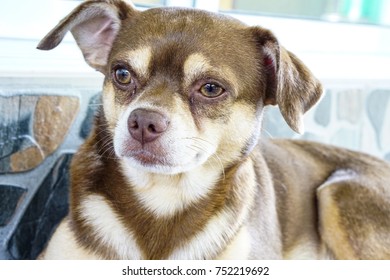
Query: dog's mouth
pixel 148 158
pixel 158 158
pixel 149 155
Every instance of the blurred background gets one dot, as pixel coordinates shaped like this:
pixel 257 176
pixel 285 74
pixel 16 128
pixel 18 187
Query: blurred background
pixel 48 99
pixel 354 11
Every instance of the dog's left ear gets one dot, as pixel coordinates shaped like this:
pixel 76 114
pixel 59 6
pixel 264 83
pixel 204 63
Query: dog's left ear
pixel 94 25
pixel 289 83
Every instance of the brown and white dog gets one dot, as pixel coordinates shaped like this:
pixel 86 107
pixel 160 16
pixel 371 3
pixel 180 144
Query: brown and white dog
pixel 174 168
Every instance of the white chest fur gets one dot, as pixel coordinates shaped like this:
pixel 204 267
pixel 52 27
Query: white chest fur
pixel 165 195
pixel 223 236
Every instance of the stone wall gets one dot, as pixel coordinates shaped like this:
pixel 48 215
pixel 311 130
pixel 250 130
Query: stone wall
pixel 41 127
pixel 42 123
pixel 348 117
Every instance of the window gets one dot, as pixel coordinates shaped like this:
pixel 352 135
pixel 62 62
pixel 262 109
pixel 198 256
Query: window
pixel 330 49
pixel 149 2
pixel 355 11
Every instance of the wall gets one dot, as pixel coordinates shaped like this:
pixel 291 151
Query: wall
pixel 41 126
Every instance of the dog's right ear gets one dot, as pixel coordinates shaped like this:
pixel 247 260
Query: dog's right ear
pixel 94 24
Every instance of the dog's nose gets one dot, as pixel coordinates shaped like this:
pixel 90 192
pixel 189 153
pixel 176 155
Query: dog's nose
pixel 146 126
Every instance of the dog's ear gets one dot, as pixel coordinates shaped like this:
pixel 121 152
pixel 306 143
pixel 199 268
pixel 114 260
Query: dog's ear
pixel 94 25
pixel 289 83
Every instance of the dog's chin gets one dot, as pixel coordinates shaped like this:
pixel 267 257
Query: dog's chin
pixel 148 162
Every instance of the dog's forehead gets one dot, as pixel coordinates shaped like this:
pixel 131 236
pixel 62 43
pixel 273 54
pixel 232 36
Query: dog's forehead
pixel 181 39
pixel 189 21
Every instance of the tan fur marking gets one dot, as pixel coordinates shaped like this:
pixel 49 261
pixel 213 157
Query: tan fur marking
pixel 195 65
pixel 139 60
pixel 97 212
pixel 109 105
pixel 330 228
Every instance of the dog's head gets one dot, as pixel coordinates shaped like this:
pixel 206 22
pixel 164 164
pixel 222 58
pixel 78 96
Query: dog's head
pixel 185 86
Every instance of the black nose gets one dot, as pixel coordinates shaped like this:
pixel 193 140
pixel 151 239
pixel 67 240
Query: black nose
pixel 146 126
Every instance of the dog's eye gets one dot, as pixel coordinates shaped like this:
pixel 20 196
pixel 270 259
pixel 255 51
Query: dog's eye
pixel 211 90
pixel 123 76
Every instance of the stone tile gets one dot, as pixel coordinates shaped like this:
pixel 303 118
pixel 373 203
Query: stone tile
pixel 46 209
pixel 26 159
pixel 15 127
pixel 32 128
pixel 385 132
pixel 53 118
pixel 377 105
pixel 323 110
pixel 349 106
pixel 9 125
pixel 10 197
pixel 347 138
pixel 93 105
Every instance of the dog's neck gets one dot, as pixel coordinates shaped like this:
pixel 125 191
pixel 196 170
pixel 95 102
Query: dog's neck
pixel 165 195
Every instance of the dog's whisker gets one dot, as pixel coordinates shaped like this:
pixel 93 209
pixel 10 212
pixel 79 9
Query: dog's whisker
pixel 195 149
pixel 106 147
pixel 109 153
pixel 199 147
pixel 198 140
pixel 103 142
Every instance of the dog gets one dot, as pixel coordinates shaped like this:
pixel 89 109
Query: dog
pixel 176 168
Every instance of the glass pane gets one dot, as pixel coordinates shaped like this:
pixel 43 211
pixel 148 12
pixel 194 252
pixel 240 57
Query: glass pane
pixel 149 2
pixel 356 11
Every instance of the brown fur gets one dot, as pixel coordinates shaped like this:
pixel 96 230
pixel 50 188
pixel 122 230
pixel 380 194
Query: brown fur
pixel 347 215
pixel 281 194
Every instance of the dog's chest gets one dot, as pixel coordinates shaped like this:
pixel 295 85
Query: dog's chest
pixel 185 217
pixel 125 244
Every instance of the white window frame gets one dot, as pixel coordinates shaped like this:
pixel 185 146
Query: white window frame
pixel 335 52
